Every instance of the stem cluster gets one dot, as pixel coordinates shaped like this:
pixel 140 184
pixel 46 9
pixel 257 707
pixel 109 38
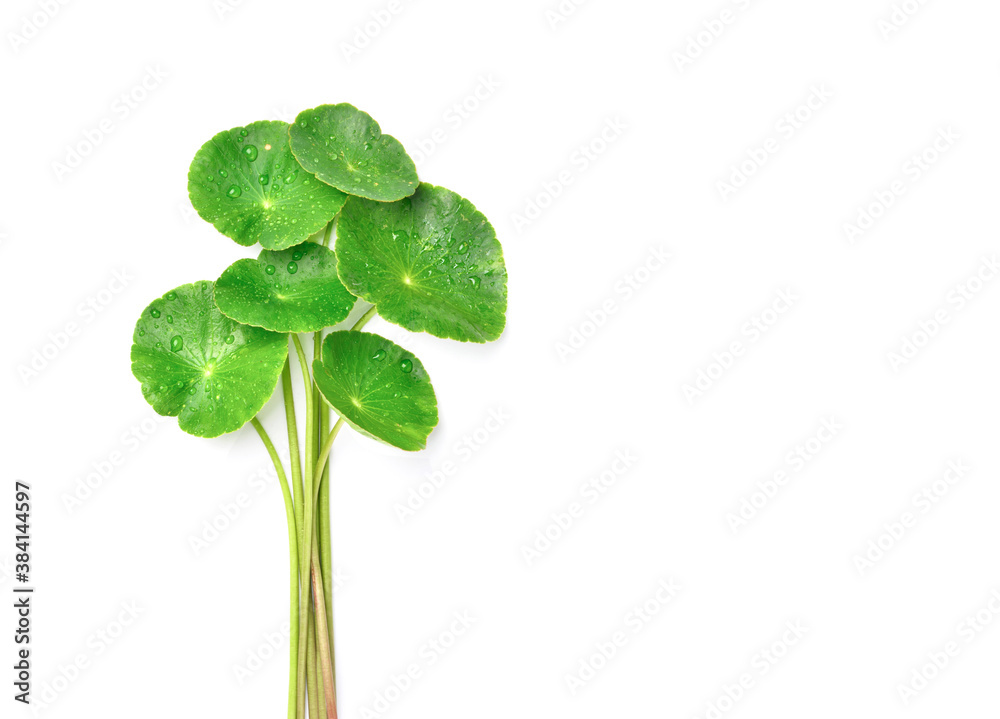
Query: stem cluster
pixel 312 677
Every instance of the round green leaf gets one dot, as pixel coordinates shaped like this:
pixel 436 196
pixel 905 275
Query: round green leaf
pixel 198 365
pixel 430 262
pixel 247 183
pixel 378 387
pixel 293 290
pixel 344 147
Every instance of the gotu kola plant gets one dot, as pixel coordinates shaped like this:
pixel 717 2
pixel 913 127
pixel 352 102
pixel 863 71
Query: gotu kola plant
pixel 212 353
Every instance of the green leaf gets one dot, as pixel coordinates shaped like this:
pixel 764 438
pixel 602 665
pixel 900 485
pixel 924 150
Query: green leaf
pixel 246 182
pixel 378 387
pixel 293 290
pixel 430 262
pixel 198 365
pixel 344 147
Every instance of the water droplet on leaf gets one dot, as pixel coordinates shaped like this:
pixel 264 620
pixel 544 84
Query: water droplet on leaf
pixel 406 365
pixel 234 191
pixel 176 343
pixel 251 152
pixel 292 268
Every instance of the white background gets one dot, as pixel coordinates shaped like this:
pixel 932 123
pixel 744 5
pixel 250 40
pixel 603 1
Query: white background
pixel 570 402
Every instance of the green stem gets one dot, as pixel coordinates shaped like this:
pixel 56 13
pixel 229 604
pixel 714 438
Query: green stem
pixel 293 572
pixel 329 231
pixel 325 528
pixel 364 319
pixel 323 647
pixel 327 446
pixel 305 551
pixel 293 447
pixel 310 672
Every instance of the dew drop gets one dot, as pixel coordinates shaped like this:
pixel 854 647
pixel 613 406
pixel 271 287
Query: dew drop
pixel 243 132
pixel 251 152
pixel 142 333
pixel 406 365
pixel 176 343
pixel 462 247
pixel 171 295
pixel 297 255
pixel 292 268
pixel 154 312
pixel 379 356
pixel 170 319
pixel 223 173
pixel 234 191
pixel 264 179
pixel 269 269
pixel 474 281
pixel 230 339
